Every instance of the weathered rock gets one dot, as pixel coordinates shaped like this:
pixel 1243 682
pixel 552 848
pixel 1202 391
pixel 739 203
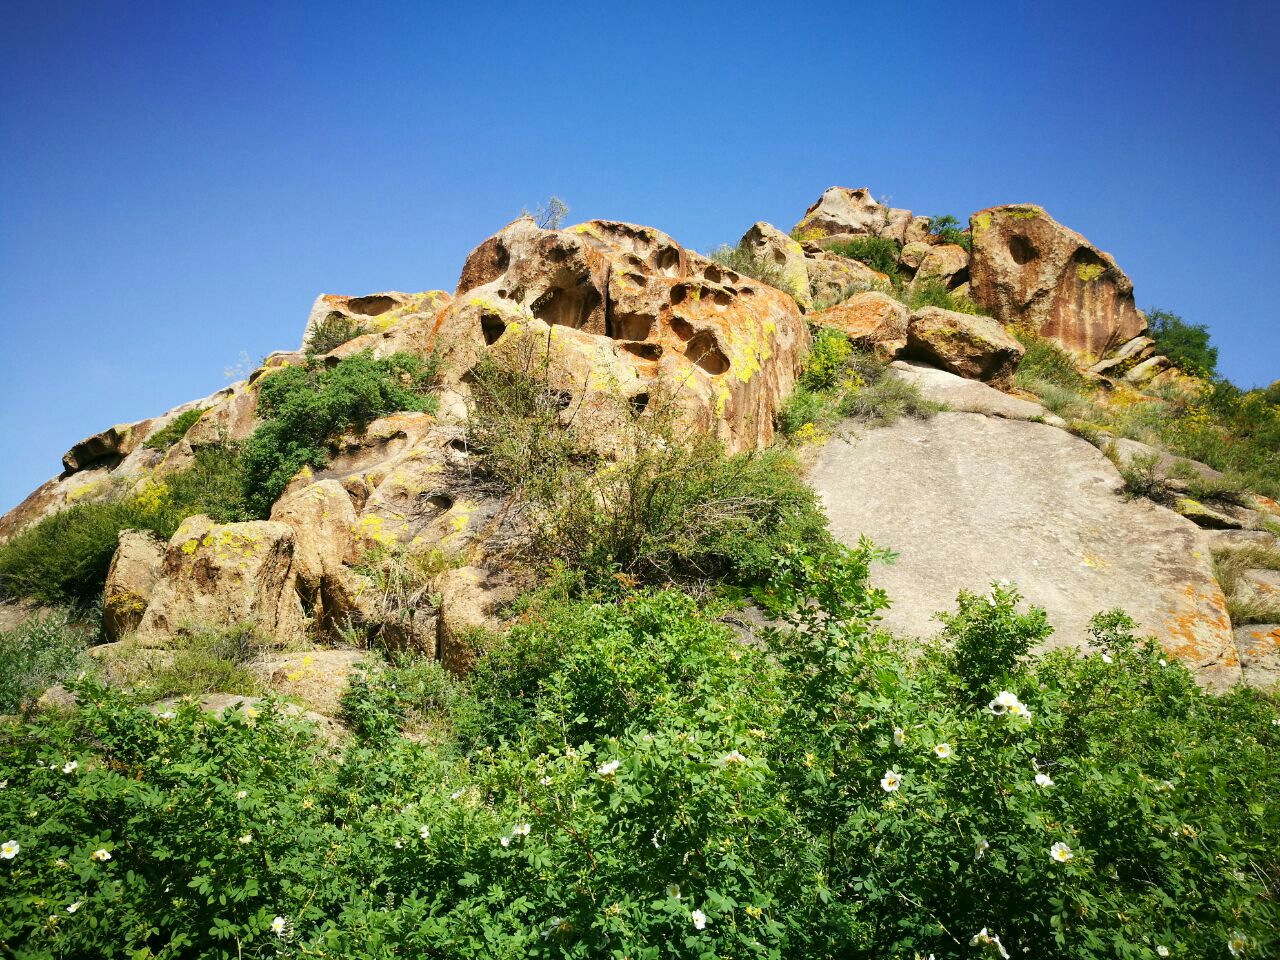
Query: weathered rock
pixel 1237 539
pixel 219 575
pixel 1128 356
pixel 1026 268
pixel 113 444
pixel 467 598
pixel 1263 583
pixel 871 321
pixel 968 500
pixel 1146 371
pixel 771 245
pixel 969 396
pixel 1259 647
pixel 57 699
pixel 832 278
pixel 323 521
pixel 374 313
pixel 842 212
pixel 945 262
pixel 967 345
pixel 624 312
pixel 1216 517
pixel 130 580
pixel 317 678
pixel 127 663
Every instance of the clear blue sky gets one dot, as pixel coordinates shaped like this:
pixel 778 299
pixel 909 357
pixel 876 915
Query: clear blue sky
pixel 179 180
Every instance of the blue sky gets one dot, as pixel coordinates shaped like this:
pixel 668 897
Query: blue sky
pixel 178 181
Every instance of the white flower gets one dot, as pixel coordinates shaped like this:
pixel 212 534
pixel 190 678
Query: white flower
pixel 733 756
pixel 899 736
pixel 1060 852
pixel 73 907
pixel 1003 584
pixel 279 925
pixel 699 919
pixel 165 715
pixel 455 795
pixel 1237 944
pixel 247 838
pixel 69 766
pixel 1106 657
pixel 545 781
pixel 10 849
pixel 1166 786
pixel 673 890
pixel 1043 780
pixel 891 781
pixel 520 830
pixel 505 841
pixel 424 832
pixel 609 768
pixel 399 844
pixel 1163 663
pixel 981 849
pixel 942 751
pixel 241 794
pixel 982 938
pixel 1162 951
pixel 4 784
pixel 657 838
pixel 102 855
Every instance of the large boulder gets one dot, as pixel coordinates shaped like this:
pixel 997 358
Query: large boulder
pixel 833 278
pixel 872 321
pixel 130 581
pixel 944 262
pixel 771 245
pixel 842 212
pixel 1028 269
pixel 623 312
pixel 219 575
pixel 965 344
pixel 968 396
pixel 372 314
pixel 967 500
pixel 323 520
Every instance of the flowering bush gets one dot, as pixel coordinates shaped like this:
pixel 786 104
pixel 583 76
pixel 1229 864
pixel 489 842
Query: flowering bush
pixel 628 779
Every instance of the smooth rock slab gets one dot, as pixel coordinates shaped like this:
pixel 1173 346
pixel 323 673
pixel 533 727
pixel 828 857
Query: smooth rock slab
pixel 969 396
pixel 1259 647
pixel 966 500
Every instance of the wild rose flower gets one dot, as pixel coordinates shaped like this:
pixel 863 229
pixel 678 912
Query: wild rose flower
pixel 984 939
pixel 1060 852
pixel 733 756
pixel 891 781
pixel 1162 950
pixel 1237 944
pixel 609 768
pixel 73 907
pixel 673 890
pixel 424 832
pixel 9 849
pixel 69 766
pixel 280 926
pixel 102 855
pixel 1043 780
pixel 899 736
pixel 699 919
pixel 520 830
pixel 981 849
pixel 942 751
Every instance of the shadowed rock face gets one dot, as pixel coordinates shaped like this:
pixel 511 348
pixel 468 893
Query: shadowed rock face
pixel 967 500
pixel 1027 268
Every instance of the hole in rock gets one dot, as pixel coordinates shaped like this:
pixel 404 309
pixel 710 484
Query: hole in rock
pixel 639 402
pixel 458 445
pixel 1021 249
pixel 703 351
pixel 667 261
pixel 440 501
pixel 720 298
pixel 567 306
pixel 645 351
pixel 492 327
pixel 629 326
pixel 372 305
pixel 681 327
pixel 712 274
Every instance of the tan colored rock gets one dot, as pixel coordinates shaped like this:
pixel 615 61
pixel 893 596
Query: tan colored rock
pixel 967 345
pixel 844 212
pixel 1146 371
pixel 323 520
pixel 969 396
pixel 871 321
pixel 967 500
pixel 219 575
pixel 1128 356
pixel 1238 539
pixel 766 242
pixel 1026 268
pixel 1219 516
pixel 833 278
pixel 112 445
pixel 375 313
pixel 1259 649
pixel 467 598
pixel 130 581
pixel 316 678
pixel 629 314
pixel 947 262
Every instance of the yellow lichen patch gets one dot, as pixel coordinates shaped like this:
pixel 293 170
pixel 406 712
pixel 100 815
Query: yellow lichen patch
pixel 1027 211
pixel 375 528
pixel 981 222
pixel 1088 272
pixel 82 491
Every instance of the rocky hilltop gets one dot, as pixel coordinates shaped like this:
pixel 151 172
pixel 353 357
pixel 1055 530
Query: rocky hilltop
pixel 619 321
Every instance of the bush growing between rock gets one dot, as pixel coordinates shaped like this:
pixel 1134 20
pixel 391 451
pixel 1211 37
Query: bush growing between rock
pixel 1186 344
pixel 1244 604
pixel 878 253
pixel 304 408
pixel 932 292
pixel 948 230
pixel 332 332
pixel 174 431
pixel 63 559
pixel 745 261
pixel 630 771
pixel 36 654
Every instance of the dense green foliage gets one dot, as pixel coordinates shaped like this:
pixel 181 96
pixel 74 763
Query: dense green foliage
pixel 332 332
pixel 675 508
pixel 303 408
pixel 64 557
pixel 36 654
pixel 1186 344
pixel 839 381
pixel 626 779
pixel 930 291
pixel 1044 362
pixel 173 431
pixel 878 253
pixel 948 230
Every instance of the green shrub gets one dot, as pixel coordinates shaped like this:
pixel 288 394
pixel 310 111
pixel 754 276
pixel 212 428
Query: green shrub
pixel 332 332
pixel 304 408
pixel 36 654
pixel 948 230
pixel 1046 362
pixel 828 362
pixel 173 431
pixel 64 557
pixel 745 261
pixel 205 660
pixel 878 253
pixel 932 292
pixel 630 771
pixel 406 695
pixel 1186 344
